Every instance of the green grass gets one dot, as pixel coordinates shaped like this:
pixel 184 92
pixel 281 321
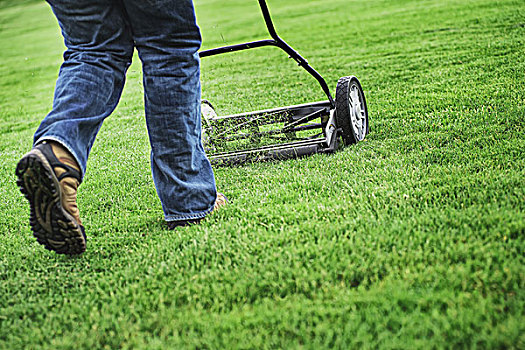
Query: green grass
pixel 411 239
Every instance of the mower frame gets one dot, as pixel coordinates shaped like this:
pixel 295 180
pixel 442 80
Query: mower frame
pixel 295 116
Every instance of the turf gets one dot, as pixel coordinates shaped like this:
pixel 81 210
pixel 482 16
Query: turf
pixel 411 239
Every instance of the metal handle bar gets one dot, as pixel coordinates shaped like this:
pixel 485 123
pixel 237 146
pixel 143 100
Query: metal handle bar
pixel 275 41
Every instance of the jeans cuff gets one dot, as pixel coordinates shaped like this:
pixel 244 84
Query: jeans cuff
pixel 186 217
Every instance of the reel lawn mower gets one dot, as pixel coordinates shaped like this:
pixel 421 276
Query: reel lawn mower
pixel 285 132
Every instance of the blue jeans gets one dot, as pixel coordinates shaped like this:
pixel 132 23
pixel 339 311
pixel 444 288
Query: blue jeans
pixel 100 36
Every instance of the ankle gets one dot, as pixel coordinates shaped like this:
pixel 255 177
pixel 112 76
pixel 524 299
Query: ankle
pixel 63 155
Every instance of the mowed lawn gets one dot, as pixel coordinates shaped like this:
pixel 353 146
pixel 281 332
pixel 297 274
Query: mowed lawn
pixel 411 239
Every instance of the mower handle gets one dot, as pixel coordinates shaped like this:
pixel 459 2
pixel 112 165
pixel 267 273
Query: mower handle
pixel 275 41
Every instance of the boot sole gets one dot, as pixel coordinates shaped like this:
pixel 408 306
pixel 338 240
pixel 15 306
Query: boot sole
pixel 52 226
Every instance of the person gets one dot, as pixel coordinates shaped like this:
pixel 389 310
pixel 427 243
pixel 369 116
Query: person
pixel 100 37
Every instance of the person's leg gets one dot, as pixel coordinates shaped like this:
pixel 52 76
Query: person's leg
pixel 167 38
pixel 90 81
pixel 99 50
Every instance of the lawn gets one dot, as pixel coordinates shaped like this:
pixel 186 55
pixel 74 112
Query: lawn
pixel 414 238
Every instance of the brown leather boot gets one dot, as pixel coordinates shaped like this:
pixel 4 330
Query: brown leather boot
pixel 220 201
pixel 49 176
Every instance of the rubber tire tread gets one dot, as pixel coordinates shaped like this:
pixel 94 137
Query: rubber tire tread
pixel 342 109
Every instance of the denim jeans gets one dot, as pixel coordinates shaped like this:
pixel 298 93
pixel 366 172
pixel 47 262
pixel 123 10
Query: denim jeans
pixel 100 36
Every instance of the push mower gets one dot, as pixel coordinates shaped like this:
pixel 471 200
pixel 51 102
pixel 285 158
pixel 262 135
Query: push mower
pixel 285 132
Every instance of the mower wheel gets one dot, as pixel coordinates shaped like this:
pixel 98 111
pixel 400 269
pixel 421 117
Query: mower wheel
pixel 350 110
